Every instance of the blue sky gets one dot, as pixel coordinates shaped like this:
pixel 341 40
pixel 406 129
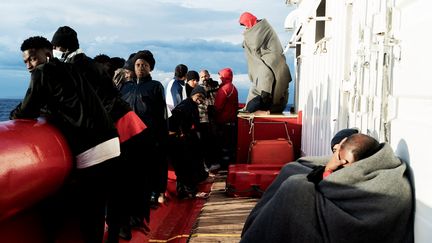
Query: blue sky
pixel 198 33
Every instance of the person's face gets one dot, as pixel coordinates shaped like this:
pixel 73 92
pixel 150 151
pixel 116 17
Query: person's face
pixel 204 76
pixel 35 57
pixel 346 156
pixel 193 83
pixel 142 68
pixel 129 75
pixel 198 98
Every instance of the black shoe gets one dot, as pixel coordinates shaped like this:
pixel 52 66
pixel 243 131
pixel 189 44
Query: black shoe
pixel 125 233
pixel 112 237
pixel 136 222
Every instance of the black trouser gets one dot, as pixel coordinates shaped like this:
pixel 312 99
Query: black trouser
pixel 95 184
pixel 138 155
pixel 207 145
pixel 187 160
pixel 227 141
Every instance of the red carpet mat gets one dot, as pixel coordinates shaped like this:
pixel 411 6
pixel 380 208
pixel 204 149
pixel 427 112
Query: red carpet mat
pixel 173 221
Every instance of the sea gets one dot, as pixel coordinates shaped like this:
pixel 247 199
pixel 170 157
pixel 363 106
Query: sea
pixel 6 106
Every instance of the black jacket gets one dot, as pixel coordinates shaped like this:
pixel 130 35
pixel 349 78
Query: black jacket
pixel 184 116
pixel 147 99
pixel 70 103
pixel 102 84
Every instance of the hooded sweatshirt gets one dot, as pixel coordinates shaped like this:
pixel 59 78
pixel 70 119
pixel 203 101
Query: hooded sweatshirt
pixel 226 101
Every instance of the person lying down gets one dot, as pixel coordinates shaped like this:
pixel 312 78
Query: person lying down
pixel 362 194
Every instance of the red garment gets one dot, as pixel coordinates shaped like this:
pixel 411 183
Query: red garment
pixel 129 125
pixel 247 19
pixel 226 101
pixel 327 173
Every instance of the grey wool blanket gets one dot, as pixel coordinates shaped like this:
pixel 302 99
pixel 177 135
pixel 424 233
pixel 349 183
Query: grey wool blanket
pixel 267 66
pixel 369 201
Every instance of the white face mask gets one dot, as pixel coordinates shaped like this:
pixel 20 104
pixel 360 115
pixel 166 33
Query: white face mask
pixel 59 55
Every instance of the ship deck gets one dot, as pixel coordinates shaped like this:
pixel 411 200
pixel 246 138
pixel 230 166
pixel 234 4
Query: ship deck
pixel 221 218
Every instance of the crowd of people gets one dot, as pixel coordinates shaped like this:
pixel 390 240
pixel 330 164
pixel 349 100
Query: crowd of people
pixel 124 129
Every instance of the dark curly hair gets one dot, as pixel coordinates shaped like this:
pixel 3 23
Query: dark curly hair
pixel 36 42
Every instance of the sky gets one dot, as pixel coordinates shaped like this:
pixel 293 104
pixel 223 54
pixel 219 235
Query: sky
pixel 203 34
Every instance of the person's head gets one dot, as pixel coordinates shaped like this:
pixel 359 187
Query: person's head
pixel 180 71
pixel 129 68
pixel 357 147
pixel 198 94
pixel 192 78
pixel 226 75
pixel 144 63
pixel 339 136
pixel 64 41
pixel 117 62
pixel 105 61
pixel 36 50
pixel 204 75
pixel 247 20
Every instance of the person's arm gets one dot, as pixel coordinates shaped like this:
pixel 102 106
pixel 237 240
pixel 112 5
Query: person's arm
pixel 220 99
pixel 320 172
pixel 335 163
pixel 161 117
pixel 33 101
pixel 316 175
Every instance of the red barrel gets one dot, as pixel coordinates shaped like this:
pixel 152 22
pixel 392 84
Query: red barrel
pixel 34 162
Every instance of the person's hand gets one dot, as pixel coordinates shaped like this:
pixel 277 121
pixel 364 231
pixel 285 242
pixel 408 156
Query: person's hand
pixel 335 161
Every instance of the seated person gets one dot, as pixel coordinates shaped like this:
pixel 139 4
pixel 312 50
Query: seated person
pixel 301 166
pixel 367 198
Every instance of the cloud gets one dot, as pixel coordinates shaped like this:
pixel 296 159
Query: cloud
pixel 195 53
pixel 198 33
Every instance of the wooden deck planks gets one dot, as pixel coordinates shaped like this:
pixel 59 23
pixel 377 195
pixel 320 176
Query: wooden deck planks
pixel 222 217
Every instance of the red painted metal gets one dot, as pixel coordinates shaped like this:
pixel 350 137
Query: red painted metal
pixel 266 128
pixel 34 161
pixel 274 151
pixel 250 180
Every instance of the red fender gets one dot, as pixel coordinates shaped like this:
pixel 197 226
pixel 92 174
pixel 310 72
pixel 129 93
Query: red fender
pixel 34 162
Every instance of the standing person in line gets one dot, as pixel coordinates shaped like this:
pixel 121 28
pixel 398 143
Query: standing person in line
pixel 267 66
pixel 184 141
pixel 66 47
pixel 226 105
pixel 207 121
pixel 192 79
pixel 71 104
pixel 176 88
pixel 125 73
pixel 146 97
